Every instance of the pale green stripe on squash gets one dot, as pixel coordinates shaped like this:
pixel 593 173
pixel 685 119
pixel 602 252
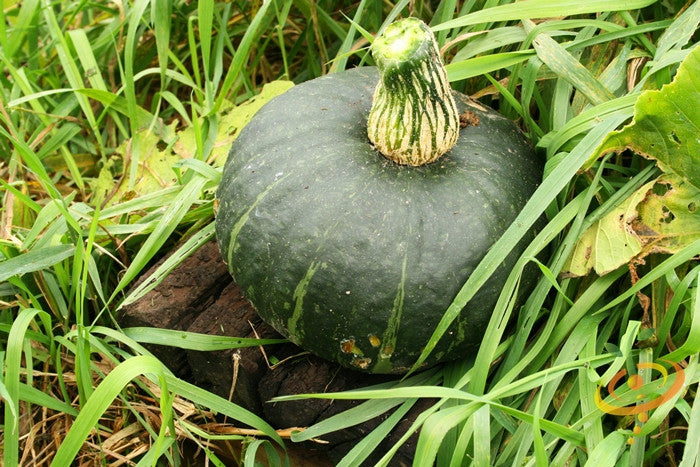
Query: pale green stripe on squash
pixel 244 218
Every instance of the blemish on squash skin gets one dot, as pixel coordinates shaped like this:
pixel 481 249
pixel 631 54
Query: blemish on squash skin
pixel 361 362
pixel 387 351
pixel 468 118
pixel 346 345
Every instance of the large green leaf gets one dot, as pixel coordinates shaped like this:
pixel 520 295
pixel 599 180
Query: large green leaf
pixel 666 125
pixel 663 216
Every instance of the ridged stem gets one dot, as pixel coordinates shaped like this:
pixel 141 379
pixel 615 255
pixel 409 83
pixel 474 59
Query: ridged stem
pixel 414 117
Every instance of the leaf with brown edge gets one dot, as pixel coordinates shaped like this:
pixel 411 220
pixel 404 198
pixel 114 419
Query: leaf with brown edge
pixel 663 216
pixel 669 217
pixel 610 242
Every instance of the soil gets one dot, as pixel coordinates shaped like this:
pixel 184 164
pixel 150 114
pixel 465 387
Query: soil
pixel 200 296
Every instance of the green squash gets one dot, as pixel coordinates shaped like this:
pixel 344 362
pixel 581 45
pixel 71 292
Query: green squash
pixel 355 257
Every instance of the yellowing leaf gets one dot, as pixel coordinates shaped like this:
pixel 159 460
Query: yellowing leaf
pixel 610 242
pixel 663 216
pixel 154 170
pixel 669 217
pixel 158 153
pixel 231 120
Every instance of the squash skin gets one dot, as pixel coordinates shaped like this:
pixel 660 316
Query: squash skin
pixel 354 257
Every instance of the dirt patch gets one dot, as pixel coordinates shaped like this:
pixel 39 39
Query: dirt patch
pixel 200 296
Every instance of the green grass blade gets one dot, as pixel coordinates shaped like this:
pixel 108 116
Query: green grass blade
pixel 142 119
pixel 478 66
pixel 10 403
pixel 583 122
pixel 363 412
pixel 202 168
pixel 146 202
pixel 482 437
pixel 541 459
pixel 324 18
pixel 341 57
pixel 568 68
pixel 691 346
pixel 151 458
pixel 456 451
pixel 166 225
pixel 221 406
pixel 11 379
pixel 680 31
pixel 83 49
pixel 193 340
pixel 673 261
pixel 34 164
pixel 28 10
pixel 593 431
pixel 72 73
pixel 543 196
pixel 35 396
pixel 135 16
pixel 351 417
pixel 251 35
pixel 357 455
pixel 691 451
pixel 540 9
pixel 99 401
pixel 250 458
pixel 205 20
pixel 161 18
pixel 190 246
pixel 495 40
pixel 35 260
pixel 608 452
pixel 680 295
pixel 436 428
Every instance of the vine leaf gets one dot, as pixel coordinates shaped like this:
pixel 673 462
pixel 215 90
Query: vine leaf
pixel 610 242
pixel 669 217
pixel 666 125
pixel 663 216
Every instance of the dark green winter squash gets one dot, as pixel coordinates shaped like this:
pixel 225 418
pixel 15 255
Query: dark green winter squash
pixel 355 256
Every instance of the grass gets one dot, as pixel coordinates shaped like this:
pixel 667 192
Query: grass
pixel 93 93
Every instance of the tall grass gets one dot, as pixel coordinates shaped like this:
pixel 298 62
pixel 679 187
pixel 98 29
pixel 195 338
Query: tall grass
pixel 92 94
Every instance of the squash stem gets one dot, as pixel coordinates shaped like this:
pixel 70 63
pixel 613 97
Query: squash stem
pixel 414 117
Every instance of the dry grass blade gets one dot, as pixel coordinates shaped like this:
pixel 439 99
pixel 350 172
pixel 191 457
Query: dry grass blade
pixel 126 427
